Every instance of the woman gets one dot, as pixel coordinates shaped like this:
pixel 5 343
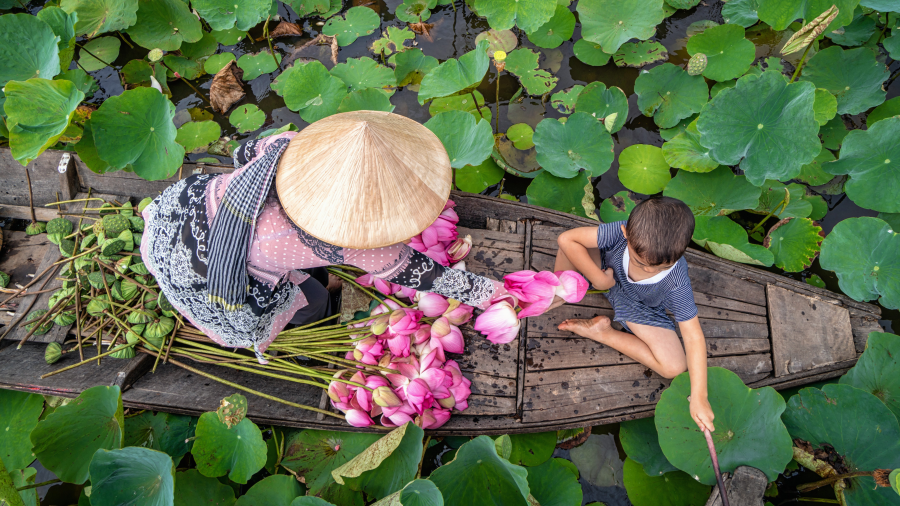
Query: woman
pixel 227 250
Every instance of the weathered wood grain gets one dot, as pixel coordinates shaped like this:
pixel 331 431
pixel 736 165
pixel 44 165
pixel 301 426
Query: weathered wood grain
pixel 795 318
pixel 483 357
pixel 861 329
pixel 745 487
pixel 494 386
pixel 480 405
pixel 22 369
pixel 56 333
pixel 46 180
pixel 24 212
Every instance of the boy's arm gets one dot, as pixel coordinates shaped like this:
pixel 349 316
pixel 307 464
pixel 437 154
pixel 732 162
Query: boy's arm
pixel 574 244
pixel 695 350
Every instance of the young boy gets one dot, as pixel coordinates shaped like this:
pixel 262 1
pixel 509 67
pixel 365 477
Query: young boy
pixel 641 262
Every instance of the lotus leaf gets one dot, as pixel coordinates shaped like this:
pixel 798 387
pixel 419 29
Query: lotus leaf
pixel 878 370
pixel 192 488
pixel 19 413
pixel 196 136
pixel 313 92
pixel 854 76
pixel 229 37
pixel 305 8
pixel 393 40
pixel 833 133
pixel 618 207
pixel 63 25
pixel 202 48
pixel 361 73
pixel 225 14
pixel 741 12
pixel 65 441
pixel 100 16
pixel 477 178
pixel 257 64
pixel 748 427
pixel 468 141
pixel 729 54
pixel 185 67
pixel 771 200
pixel 386 465
pixel 238 452
pixel 765 124
pixel 564 101
pixel 28 49
pixel 159 327
pixel 521 136
pixel 780 13
pixel 38 112
pixel 247 118
pixel 22 478
pixel 286 75
pixel 580 143
pixel 555 31
pixel 99 53
pixel 277 490
pixel 315 501
pixel 132 475
pixel 165 432
pixel 684 151
pixel 411 66
pixel 357 22
pixel 464 103
pixel 555 483
pixel 856 33
pixel 612 23
pixel 369 99
pixel 590 53
pixel 516 161
pixel 643 169
pixel 795 242
pixel 315 453
pixel 669 94
pixel 477 476
pixel 888 109
pixel 454 76
pixel 859 427
pixel 728 240
pixel 872 160
pixel 138 72
pixel 641 443
pixel 217 62
pixel 562 194
pixel 716 193
pixel 824 106
pixel 864 273
pixel 136 128
pixel 892 219
pixel 671 489
pixel 602 102
pixel 532 449
pixel 498 40
pixel 529 15
pixel 598 460
pixel 414 11
pixel 638 54
pixel 682 4
pixel 165 24
pixel 523 63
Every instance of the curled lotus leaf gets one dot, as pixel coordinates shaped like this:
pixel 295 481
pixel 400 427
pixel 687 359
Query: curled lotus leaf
pixel 276 490
pixel 795 242
pixel 99 53
pixel 387 465
pixel 864 273
pixel 727 239
pixel 669 94
pixel 393 40
pixel 477 178
pixel 612 23
pixel 872 160
pixel 19 412
pixel 602 103
pixel 715 193
pixel 357 22
pixel 590 53
pixel 763 123
pixel 479 477
pixel 228 14
pixel 878 370
pixel 646 489
pixel 101 16
pixel 453 76
pixel 618 207
pixel 257 64
pixel 555 483
pixel 120 475
pixel 523 63
pixel 779 14
pixel 684 151
pixel 28 49
pixel 63 25
pixel 369 99
pixel 38 113
pixel 854 76
pixel 499 40
pixel 554 32
pixel 641 443
pixel 643 169
pixel 729 55
pixel 638 54
pixel 411 66
pixel 822 417
pixel 748 431
pixel 238 452
pixel 581 143
pixel 361 73
pixel 468 141
pixel 528 15
pixel 315 453
pixel 313 92
pixel 165 24
pixel 562 194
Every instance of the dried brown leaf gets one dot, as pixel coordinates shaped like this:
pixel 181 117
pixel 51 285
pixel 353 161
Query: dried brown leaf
pixel 284 29
pixel 226 89
pixel 423 29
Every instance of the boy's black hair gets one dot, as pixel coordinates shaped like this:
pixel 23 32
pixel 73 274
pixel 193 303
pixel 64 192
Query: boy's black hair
pixel 660 229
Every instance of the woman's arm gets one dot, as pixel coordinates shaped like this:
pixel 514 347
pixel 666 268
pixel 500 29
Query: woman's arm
pixel 695 350
pixel 574 244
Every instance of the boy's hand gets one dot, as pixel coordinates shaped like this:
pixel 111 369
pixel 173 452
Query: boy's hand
pixel 702 413
pixel 607 280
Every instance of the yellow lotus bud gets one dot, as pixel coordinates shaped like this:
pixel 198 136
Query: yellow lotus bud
pixel 499 55
pixel 385 397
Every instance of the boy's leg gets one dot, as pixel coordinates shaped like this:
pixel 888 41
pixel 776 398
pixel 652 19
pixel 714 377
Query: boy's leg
pixel 564 264
pixel 655 347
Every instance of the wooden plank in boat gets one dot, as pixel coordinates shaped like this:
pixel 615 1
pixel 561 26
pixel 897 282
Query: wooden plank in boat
pixel 24 212
pixel 861 328
pixel 56 334
pixel 132 185
pixel 495 254
pixel 794 318
pixel 483 357
pixel 805 377
pixel 21 369
pixel 489 239
pixel 554 353
pixel 46 180
pixel 480 405
pixel 705 299
pixel 482 384
pixel 21 255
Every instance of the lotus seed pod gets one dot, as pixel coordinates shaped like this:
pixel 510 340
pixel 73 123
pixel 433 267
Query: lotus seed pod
pixel 59 226
pixel 98 227
pixel 697 64
pixel 806 35
pixel 232 410
pixel 4 279
pixel 111 246
pixel 137 223
pixel 143 204
pixel 103 211
pixel 155 55
pixel 164 303
pixel 64 319
pixel 53 353
pixel 33 318
pixel 38 227
pixel 115 224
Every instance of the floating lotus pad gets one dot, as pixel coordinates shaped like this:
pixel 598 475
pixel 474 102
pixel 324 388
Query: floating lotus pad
pixel 878 370
pixel 669 94
pixel 164 432
pixel 98 53
pixel 780 13
pixel 467 141
pixel 521 135
pixel 617 208
pixel 555 31
pixel 313 92
pixel 19 412
pixel 854 76
pixel 684 151
pixel 186 68
pixel 728 240
pixel 361 73
pixel 217 62
pixel 612 23
pixel 795 242
pixel 763 123
pixel 643 169
pixel 393 40
pixel 523 63
pixel 165 24
pixel 238 452
pixel 276 490
pixel 532 449
pixel 598 460
pixel 119 475
pixel 100 16
pixel 641 443
pixel 602 102
pixel 474 106
pixel 414 11
pixel 411 66
pixel 872 160
pixel 562 194
pixel 638 54
pixel 741 12
pixel 357 22
pixel 229 37
pixel 555 482
pixel 646 489
pixel 192 488
pixel 198 135
pixel 480 477
pixel 825 106
pixel 369 99
pixel 257 64
pixel 715 193
pixel 387 465
pixel 453 76
pixel 729 54
pixel 498 40
pixel 315 453
pixel 38 112
pixel 226 14
pixel 564 101
pixel 581 143
pixel 477 178
pixel 529 15
pixel 590 53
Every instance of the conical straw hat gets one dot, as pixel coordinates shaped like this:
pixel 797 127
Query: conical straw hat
pixel 364 179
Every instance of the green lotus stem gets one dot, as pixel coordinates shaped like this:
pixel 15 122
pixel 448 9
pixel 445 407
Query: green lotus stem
pixel 129 278
pixel 145 313
pixel 78 321
pixel 782 204
pixel 352 281
pixel 185 81
pixel 800 64
pixel 323 320
pixel 497 103
pixel 270 374
pixel 807 487
pixel 124 39
pixel 71 201
pixel 352 268
pixel 93 55
pixel 422 460
pixel 478 107
pixel 83 253
pixel 40 322
pixel 269 41
pixel 105 353
pixel 245 389
pixel 38 485
pixel 596 291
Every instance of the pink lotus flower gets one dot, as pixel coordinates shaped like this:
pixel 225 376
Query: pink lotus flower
pixel 460 387
pixel 459 248
pixel 406 293
pixel 460 266
pixel 399 344
pixel 397 416
pixel 385 287
pixel 368 350
pixel 404 321
pixel 340 392
pixel 535 291
pixel 458 313
pixel 432 304
pixel 446 338
pixel 572 286
pixel 441 232
pixel 358 418
pixel 364 396
pixel 419 395
pixel 499 323
pixel 422 335
pixel 433 418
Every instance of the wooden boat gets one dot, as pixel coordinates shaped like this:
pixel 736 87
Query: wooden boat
pixel 769 329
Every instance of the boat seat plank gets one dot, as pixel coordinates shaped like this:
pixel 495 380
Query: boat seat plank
pixel 483 384
pixel 46 180
pixel 795 317
pixel 480 405
pixel 21 255
pixel 861 329
pixel 483 357
pixel 494 254
pixel 21 369
pixel 56 334
pixel 489 239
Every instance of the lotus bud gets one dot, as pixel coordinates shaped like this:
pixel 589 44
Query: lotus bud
pixel 381 324
pixel 806 35
pixel 155 55
pixel 385 397
pixel 448 402
pixel 609 121
pixel 358 355
pixel 53 353
pixel 459 248
pixel 155 84
pixel 697 64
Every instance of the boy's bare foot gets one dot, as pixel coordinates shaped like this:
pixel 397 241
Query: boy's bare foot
pixel 593 329
pixel 334 284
